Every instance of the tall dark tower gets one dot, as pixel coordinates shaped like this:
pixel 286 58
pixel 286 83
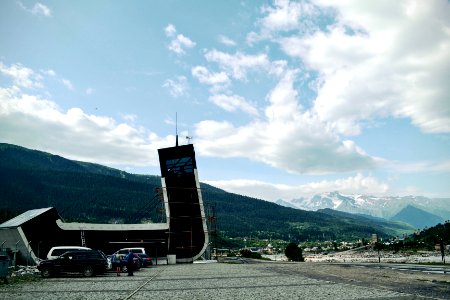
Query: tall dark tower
pixel 188 237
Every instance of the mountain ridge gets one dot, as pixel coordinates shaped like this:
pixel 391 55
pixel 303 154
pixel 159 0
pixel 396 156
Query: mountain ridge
pixel 377 206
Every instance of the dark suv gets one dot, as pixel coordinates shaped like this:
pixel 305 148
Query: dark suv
pixel 86 262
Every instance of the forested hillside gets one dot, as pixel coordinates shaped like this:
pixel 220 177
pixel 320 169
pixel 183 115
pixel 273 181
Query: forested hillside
pixel 93 193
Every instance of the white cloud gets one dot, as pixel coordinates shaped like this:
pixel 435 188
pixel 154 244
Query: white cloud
pixel 68 84
pixel 284 15
pixel 40 124
pixel 289 138
pixel 205 76
pixel 177 87
pixel 90 91
pixel 49 72
pixel 178 42
pixel 278 67
pixel 170 30
pixel 40 8
pixel 22 76
pixel 232 103
pixel 226 41
pixel 131 118
pixel 380 59
pixel 37 9
pixel 177 45
pixel 239 64
pixel 284 100
pixel 358 184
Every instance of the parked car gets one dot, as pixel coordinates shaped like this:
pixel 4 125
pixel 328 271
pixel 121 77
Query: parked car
pixel 145 259
pixel 58 250
pixel 134 250
pixel 86 262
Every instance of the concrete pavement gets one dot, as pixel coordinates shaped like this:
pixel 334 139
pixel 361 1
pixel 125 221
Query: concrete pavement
pixel 212 281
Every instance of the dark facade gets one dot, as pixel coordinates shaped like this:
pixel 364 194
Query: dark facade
pixel 188 236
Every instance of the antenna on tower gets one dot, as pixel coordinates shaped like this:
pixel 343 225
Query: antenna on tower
pixel 176 129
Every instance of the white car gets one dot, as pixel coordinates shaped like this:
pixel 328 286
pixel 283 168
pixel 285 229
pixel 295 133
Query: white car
pixel 126 250
pixel 57 251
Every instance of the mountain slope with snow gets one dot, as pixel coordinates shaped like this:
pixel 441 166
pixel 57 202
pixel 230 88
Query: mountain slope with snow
pixel 384 207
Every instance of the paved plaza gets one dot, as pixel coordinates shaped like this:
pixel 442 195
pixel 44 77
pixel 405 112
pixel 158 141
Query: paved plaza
pixel 243 281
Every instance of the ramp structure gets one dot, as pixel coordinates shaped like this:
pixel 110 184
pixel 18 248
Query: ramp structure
pixel 188 236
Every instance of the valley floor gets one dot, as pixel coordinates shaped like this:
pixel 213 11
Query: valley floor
pixel 383 257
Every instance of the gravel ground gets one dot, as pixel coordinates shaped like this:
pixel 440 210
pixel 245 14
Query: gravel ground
pixel 271 280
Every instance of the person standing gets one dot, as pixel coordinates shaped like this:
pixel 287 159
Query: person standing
pixel 130 262
pixel 118 262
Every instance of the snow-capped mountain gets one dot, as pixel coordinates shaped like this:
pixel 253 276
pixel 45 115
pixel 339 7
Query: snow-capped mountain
pixel 384 207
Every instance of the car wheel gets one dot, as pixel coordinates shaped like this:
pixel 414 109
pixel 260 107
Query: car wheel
pixel 88 271
pixel 138 265
pixel 124 269
pixel 46 273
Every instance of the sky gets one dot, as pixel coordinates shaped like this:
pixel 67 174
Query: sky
pixel 281 99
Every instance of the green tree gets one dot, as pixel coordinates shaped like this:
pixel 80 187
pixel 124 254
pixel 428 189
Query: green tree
pixel 293 252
